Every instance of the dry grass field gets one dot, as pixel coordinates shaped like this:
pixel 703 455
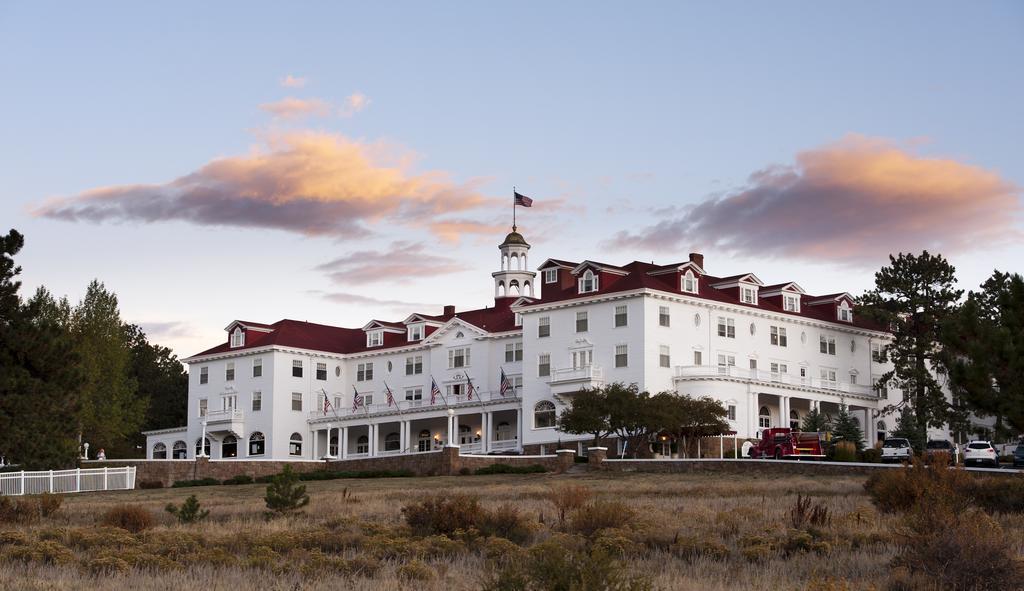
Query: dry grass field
pixel 643 531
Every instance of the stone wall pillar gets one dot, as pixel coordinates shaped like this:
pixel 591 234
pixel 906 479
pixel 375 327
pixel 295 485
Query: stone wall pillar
pixel 596 455
pixel 566 458
pixel 450 462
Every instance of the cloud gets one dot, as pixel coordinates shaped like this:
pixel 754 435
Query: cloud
pixel 290 81
pixel 296 108
pixel 311 183
pixel 354 103
pixel 853 201
pixel 353 299
pixel 402 259
pixel 454 230
pixel 166 330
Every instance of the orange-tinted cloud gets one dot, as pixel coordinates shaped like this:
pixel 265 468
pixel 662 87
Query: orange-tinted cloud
pixel 855 201
pixel 306 182
pixel 402 259
pixel 296 108
pixel 454 230
pixel 290 81
pixel 354 103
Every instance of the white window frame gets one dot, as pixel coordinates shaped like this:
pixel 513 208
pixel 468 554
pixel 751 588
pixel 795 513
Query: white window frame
pixel 364 372
pixel 622 351
pixel 297 365
pixel 414 365
pixel 204 407
pixel 318 370
pixel 256 403
pixel 416 331
pixel 543 327
pixel 828 344
pixel 588 283
pixel 689 283
pixel 748 294
pixel 584 317
pixel 791 303
pixel 297 397
pixel 374 338
pixel 664 316
pixel 455 354
pixel 845 312
pixel 204 375
pixel 229 371
pixel 550 275
pixel 544 365
pixel 727 326
pixel 257 367
pixel 777 336
pixel 621 313
pixel 664 356
pixel 513 352
pixel 237 338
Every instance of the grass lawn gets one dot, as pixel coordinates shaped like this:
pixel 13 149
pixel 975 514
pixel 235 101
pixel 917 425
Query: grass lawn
pixel 691 531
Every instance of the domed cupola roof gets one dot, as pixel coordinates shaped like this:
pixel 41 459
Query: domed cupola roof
pixel 514 238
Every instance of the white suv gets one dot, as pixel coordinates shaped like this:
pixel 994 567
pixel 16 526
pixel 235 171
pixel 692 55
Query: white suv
pixel 896 449
pixel 981 453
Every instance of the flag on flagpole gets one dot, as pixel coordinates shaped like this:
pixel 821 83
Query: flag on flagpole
pixel 469 388
pixel 357 400
pixel 522 200
pixel 327 402
pixel 391 396
pixel 434 391
pixel 505 384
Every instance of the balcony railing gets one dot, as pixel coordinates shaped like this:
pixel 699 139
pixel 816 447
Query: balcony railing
pixel 480 398
pixel 567 375
pixel 696 372
pixel 217 416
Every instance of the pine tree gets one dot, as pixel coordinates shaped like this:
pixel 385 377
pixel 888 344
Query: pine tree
pixel 284 494
pixel 908 428
pixel 914 296
pixel 189 511
pixel 162 382
pixel 815 421
pixel 845 428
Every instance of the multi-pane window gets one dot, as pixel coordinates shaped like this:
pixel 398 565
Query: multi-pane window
pixel 236 338
pixel 791 303
pixel 257 367
pixel 543 365
pixel 582 358
pixel 297 401
pixel 321 371
pixel 845 313
pixel 416 332
pixel 455 389
pixel 753 364
pixel 731 412
pixel 725 362
pixel 544 415
pixel 414 394
pixel 297 368
pixel 375 338
pixel 726 327
pixel 621 316
pixel 698 358
pixel 550 275
pixel 778 336
pixel 229 402
pixel 364 372
pixel 664 317
pixel 588 282
pixel 581 322
pixel 257 401
pixel 748 295
pixel 544 326
pixel 458 357
pixel 827 345
pixel 664 356
pixel 229 371
pixel 779 368
pixel 414 365
pixel 621 355
pixel 513 352
pixel 878 353
pixel 203 407
pixel 828 377
pixel 853 378
pixel 518 319
pixel 689 282
pixel 204 375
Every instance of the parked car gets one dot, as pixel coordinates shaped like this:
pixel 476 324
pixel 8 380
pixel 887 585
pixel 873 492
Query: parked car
pixel 782 443
pixel 981 453
pixel 1018 456
pixel 896 449
pixel 941 446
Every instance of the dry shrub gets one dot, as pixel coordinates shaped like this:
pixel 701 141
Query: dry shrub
pixel 898 490
pixel 30 509
pixel 568 498
pixel 806 512
pixel 44 552
pixel 502 551
pixel 592 518
pixel 692 548
pixel 133 518
pixel 13 538
pixel 506 522
pixel 845 451
pixel 615 542
pixel 416 570
pixel 262 558
pixel 99 537
pixel 107 565
pixel 557 566
pixel 443 514
pixel 998 494
pixel 330 541
pixel 758 548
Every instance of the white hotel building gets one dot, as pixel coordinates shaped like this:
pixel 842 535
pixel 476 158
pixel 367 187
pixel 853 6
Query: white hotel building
pixel 769 353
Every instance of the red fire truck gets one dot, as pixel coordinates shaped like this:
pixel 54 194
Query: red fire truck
pixel 782 443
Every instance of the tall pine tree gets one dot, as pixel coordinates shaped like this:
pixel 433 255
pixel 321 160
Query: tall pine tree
pixel 914 296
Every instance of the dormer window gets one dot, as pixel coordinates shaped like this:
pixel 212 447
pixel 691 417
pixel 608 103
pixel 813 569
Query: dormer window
pixel 375 338
pixel 588 283
pixel 415 332
pixel 518 319
pixel 237 337
pixel 791 303
pixel 748 295
pixel 845 313
pixel 550 275
pixel 689 282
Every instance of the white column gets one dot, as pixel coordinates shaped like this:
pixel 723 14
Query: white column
pixel 519 428
pixel 869 429
pixel 754 410
pixel 343 441
pixel 316 444
pixel 485 439
pixel 455 430
pixel 372 429
pixel 783 411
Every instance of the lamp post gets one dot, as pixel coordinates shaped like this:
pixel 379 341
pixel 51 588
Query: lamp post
pixel 451 423
pixel 85 446
pixel 202 443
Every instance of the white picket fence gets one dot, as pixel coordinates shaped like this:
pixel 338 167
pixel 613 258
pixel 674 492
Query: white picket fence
pixel 67 481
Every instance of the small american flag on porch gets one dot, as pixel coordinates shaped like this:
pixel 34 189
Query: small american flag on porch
pixel 434 391
pixel 357 399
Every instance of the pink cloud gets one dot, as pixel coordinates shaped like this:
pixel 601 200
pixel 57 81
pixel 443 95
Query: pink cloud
pixel 296 108
pixel 290 81
pixel 401 259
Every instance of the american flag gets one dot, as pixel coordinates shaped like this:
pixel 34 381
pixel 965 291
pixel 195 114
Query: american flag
pixel 469 388
pixel 327 402
pixel 391 396
pixel 357 399
pixel 434 391
pixel 522 200
pixel 505 384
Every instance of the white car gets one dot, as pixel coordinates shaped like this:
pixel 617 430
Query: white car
pixel 896 449
pixel 981 453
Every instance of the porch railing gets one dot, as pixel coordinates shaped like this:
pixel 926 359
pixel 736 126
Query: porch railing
pixel 67 481
pixel 691 372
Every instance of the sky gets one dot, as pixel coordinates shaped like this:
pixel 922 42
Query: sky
pixel 339 162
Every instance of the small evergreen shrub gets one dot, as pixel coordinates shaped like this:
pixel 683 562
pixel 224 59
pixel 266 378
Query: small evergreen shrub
pixel 199 482
pixel 133 518
pixel 188 512
pixel 238 479
pixel 284 494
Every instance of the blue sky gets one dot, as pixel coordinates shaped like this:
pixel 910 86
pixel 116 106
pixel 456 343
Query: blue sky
pixel 614 117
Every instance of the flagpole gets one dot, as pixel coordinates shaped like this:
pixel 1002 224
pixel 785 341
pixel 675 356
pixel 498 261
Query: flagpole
pixel 513 208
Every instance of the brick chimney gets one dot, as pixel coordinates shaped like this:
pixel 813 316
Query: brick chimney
pixel 697 259
pixel 449 311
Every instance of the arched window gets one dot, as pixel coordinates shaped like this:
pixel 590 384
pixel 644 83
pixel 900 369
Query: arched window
pixel 505 431
pixel 880 428
pixel 205 449
pixel 764 418
pixel 332 446
pixel 514 262
pixel 504 262
pixel 528 290
pixel 179 451
pixel 465 434
pixel 392 442
pixel 257 444
pixel 588 282
pixel 295 445
pixel 237 337
pixel 363 445
pixel 423 441
pixel 160 452
pixel 794 420
pixel 229 447
pixel 501 289
pixel 689 282
pixel 544 415
pixel 513 287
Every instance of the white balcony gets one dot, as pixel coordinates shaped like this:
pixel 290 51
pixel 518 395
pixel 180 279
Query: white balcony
pixel 573 379
pixel 232 420
pixel 481 398
pixel 768 378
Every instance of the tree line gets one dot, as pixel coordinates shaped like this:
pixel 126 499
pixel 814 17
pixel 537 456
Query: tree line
pixel 71 374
